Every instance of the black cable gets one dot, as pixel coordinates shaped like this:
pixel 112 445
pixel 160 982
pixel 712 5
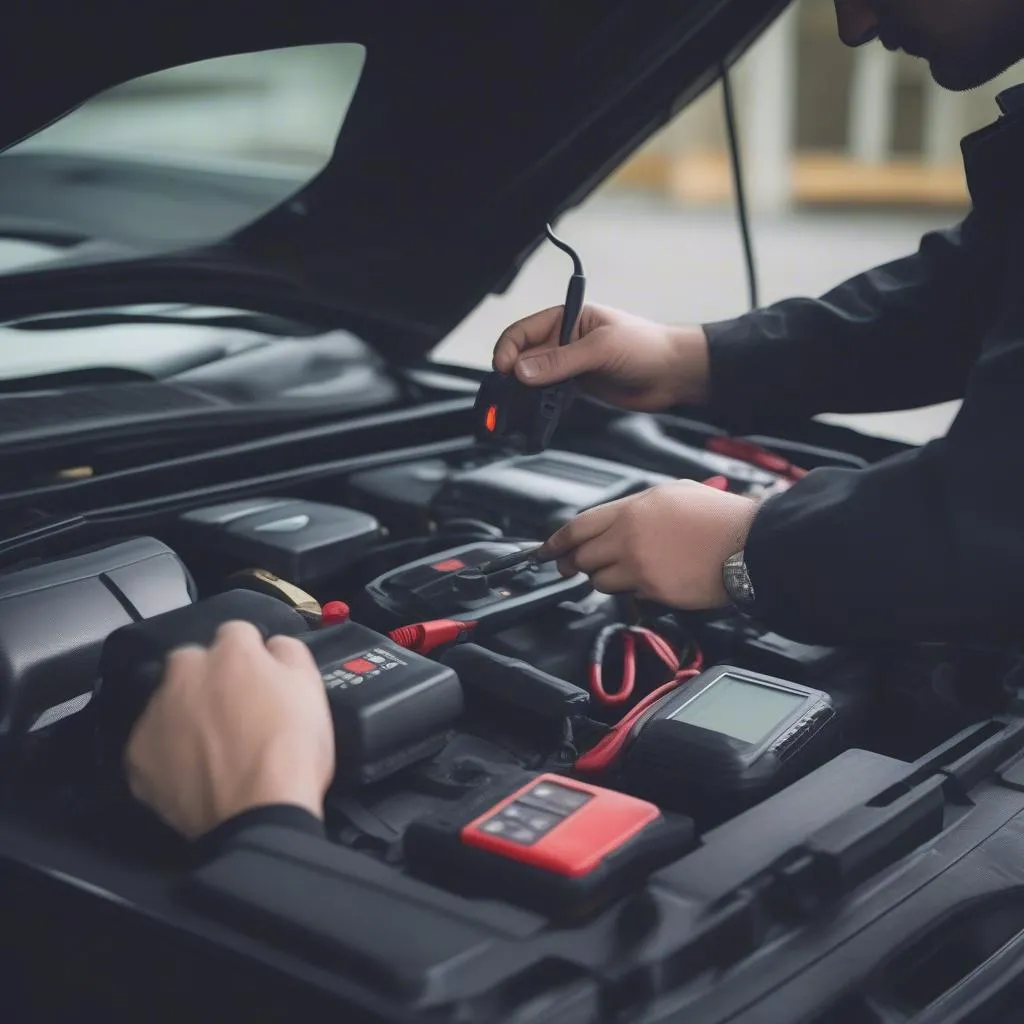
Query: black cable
pixel 741 192
pixel 576 292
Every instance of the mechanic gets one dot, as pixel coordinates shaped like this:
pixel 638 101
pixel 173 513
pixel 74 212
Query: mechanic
pixel 927 545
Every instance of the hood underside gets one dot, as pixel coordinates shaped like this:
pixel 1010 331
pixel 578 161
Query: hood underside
pixel 472 126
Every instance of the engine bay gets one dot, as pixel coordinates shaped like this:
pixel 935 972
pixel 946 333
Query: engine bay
pixel 523 763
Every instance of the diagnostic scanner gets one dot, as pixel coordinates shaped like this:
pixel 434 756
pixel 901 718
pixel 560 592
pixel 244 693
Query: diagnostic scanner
pixel 555 845
pixel 509 414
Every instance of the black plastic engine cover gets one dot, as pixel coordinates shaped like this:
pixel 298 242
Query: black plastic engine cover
pixel 533 495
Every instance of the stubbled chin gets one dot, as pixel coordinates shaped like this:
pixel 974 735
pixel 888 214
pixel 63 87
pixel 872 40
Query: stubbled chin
pixel 960 77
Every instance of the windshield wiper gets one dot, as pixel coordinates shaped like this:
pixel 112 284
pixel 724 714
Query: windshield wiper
pixel 261 323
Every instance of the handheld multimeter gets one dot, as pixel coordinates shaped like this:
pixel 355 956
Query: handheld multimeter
pixel 390 706
pixel 728 739
pixel 507 411
pixel 562 847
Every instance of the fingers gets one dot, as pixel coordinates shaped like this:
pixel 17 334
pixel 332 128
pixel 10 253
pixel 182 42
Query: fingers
pixel 615 579
pixel 530 347
pixel 238 634
pixel 185 662
pixel 590 556
pixel 539 329
pixel 559 363
pixel 586 526
pixel 292 653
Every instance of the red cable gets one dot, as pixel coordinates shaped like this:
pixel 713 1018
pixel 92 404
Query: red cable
pixel 601 756
pixel 625 690
pixel 630 634
pixel 747 451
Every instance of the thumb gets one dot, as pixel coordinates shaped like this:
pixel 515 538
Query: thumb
pixel 553 365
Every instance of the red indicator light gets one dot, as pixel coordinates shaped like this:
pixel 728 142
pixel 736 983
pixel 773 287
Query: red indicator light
pixel 491 419
pixel 449 565
pixel 359 666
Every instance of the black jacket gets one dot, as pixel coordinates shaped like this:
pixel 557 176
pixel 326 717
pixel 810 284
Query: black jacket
pixel 929 544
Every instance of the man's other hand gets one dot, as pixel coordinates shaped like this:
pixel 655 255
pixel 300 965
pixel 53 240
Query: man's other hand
pixel 243 724
pixel 666 544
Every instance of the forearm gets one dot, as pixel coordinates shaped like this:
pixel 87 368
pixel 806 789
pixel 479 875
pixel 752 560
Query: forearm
pixel 897 337
pixel 924 546
pixel 850 556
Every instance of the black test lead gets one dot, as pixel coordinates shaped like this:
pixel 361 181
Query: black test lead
pixel 510 414
pixel 574 294
pixel 511 561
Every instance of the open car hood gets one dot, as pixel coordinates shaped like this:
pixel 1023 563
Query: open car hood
pixel 472 126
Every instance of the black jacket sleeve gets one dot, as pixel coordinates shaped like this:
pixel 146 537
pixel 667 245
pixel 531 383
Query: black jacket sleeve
pixel 208 846
pixel 924 546
pixel 900 336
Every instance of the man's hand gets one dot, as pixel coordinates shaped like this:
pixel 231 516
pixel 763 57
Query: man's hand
pixel 618 358
pixel 241 725
pixel 666 544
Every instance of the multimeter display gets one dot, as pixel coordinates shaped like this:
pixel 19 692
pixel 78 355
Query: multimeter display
pixel 740 708
pixel 726 740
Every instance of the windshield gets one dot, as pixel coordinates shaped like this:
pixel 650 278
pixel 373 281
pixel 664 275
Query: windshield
pixel 273 116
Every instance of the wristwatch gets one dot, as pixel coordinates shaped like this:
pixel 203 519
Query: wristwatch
pixel 737 582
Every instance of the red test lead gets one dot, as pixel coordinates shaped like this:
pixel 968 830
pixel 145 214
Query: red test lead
pixel 424 637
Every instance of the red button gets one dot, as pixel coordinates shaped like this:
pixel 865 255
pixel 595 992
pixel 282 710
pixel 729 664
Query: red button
pixel 359 666
pixel 449 565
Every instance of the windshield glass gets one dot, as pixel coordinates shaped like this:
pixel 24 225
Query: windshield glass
pixel 272 116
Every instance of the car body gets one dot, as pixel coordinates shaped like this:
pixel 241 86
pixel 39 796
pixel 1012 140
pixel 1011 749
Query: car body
pixel 883 884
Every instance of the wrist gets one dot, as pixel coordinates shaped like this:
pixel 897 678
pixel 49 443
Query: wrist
pixel 276 781
pixel 737 583
pixel 690 373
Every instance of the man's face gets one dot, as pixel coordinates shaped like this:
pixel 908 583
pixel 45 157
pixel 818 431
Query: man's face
pixel 966 42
